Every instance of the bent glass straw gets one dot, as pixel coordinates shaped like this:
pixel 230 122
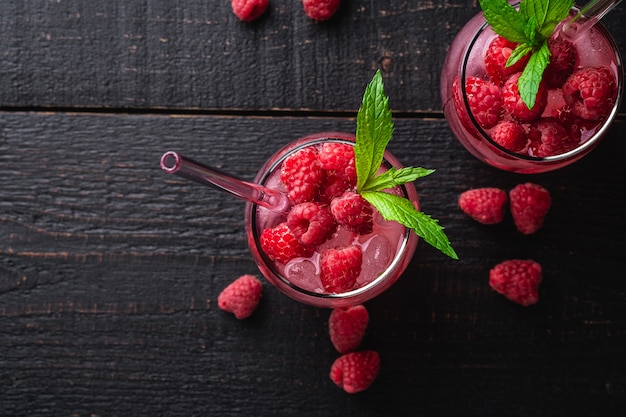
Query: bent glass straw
pixel 175 163
pixel 588 16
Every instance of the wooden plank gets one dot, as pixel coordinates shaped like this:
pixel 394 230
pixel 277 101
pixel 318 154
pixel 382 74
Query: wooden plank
pixel 195 54
pixel 110 270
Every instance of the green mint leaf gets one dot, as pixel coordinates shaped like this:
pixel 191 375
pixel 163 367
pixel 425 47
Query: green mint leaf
pixel 504 20
pixel 555 12
pixel 396 208
pixel 528 83
pixel 394 177
pixel 518 53
pixel 531 32
pixel 374 128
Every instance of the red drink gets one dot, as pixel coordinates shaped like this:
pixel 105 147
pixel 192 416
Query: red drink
pixel 465 72
pixel 386 251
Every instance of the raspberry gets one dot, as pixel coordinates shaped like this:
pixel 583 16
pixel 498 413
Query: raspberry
pixel 302 175
pixel 340 268
pixel 460 107
pixel 241 296
pixel 484 101
pixel 347 327
pixel 337 160
pixel 562 61
pixel 355 371
pixel 485 205
pixel 548 137
pixel 249 10
pixel 280 244
pixel 510 135
pixel 311 223
pixel 518 280
pixel 512 101
pixel 590 92
pixel 530 204
pixel 353 212
pixel 497 54
pixel 320 9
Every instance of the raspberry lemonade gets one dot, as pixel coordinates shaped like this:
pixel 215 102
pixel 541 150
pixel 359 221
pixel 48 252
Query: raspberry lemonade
pixel 530 101
pixel 332 219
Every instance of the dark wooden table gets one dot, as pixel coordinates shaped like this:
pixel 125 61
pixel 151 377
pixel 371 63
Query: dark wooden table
pixel 110 270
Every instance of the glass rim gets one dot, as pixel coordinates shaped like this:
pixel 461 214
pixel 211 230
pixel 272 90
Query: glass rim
pixel 579 150
pixel 400 251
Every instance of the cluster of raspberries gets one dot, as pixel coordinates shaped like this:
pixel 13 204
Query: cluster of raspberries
pixel 320 181
pixel 249 10
pixel 516 279
pixel 588 95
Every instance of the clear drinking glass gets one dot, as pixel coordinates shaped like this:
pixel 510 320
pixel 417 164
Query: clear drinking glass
pixel 595 47
pixel 390 244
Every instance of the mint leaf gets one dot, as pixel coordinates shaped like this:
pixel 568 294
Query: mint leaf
pixel 518 53
pixel 528 83
pixel 504 20
pixel 394 177
pixel 374 128
pixel 401 210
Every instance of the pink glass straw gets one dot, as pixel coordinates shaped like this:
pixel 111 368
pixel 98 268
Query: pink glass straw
pixel 588 16
pixel 175 163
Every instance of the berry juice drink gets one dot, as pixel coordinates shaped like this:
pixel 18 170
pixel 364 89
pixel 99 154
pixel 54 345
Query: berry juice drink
pixel 327 249
pixel 577 99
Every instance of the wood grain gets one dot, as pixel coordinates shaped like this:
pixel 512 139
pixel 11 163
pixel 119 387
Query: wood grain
pixel 110 271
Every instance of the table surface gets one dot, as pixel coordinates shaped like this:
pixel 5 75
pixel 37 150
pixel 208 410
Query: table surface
pixel 110 270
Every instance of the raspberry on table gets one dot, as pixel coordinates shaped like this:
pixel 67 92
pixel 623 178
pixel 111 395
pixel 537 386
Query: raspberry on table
pixel 590 92
pixel 241 296
pixel 529 204
pixel 512 101
pixel 548 137
pixel 484 101
pixel 510 135
pixel 347 326
pixel 311 223
pixel 280 244
pixel 340 268
pixel 320 9
pixel 518 280
pixel 355 371
pixel 353 212
pixel 485 205
pixel 496 56
pixel 302 175
pixel 249 10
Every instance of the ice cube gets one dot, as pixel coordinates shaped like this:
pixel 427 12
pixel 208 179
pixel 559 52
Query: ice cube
pixel 377 255
pixel 303 273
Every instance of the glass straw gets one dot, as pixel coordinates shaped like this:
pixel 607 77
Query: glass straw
pixel 588 16
pixel 175 163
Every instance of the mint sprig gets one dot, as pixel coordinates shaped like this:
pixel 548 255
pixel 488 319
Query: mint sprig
pixel 530 27
pixel 374 128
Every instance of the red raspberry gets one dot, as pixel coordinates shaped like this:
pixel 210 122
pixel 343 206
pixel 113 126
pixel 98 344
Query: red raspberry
pixel 484 101
pixel 518 280
pixel 590 92
pixel 485 205
pixel 353 212
pixel 530 204
pixel 512 101
pixel 337 159
pixel 302 175
pixel 510 135
pixel 347 327
pixel 562 61
pixel 311 223
pixel 460 107
pixel 340 268
pixel 241 296
pixel 280 244
pixel 548 137
pixel 320 9
pixel 355 371
pixel 497 54
pixel 248 10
